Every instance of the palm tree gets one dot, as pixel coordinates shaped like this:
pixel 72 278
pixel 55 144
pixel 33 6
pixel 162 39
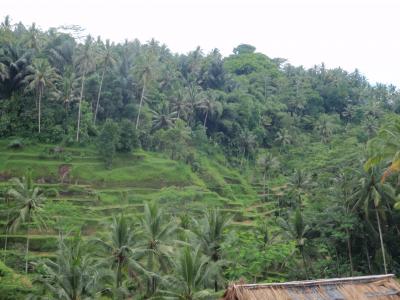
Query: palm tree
pixel 324 128
pixel 299 183
pixel 33 38
pixel 190 275
pixel 145 70
pixel 179 103
pixel 385 148
pixel 210 233
pixel 107 60
pixel 29 200
pixel 85 62
pixel 284 138
pixel 378 196
pixel 194 96
pixel 163 118
pixel 209 106
pixel 43 76
pixel 343 188
pixel 16 67
pixel 157 239
pixel 370 125
pixel 266 163
pixel 247 144
pixel 297 229
pixel 73 275
pixel 66 91
pixel 121 248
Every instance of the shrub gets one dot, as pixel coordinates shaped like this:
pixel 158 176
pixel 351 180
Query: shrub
pixel 16 144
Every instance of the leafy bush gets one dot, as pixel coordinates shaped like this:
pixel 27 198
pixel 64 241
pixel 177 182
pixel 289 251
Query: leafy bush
pixel 16 144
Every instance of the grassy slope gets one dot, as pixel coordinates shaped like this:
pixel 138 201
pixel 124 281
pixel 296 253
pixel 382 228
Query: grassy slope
pixel 94 194
pixel 12 285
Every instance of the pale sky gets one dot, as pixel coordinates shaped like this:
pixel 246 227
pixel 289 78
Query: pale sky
pixel 361 34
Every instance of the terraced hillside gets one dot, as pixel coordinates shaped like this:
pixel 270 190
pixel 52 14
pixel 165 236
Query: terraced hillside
pixel 83 194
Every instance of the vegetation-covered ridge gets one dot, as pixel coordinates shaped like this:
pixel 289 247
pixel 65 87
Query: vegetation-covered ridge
pixel 142 173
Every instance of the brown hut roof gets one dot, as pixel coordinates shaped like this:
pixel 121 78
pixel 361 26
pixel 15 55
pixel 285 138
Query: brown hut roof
pixel 379 287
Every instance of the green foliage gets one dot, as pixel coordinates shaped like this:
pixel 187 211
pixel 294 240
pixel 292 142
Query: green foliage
pixel 128 139
pixel 107 143
pixel 12 285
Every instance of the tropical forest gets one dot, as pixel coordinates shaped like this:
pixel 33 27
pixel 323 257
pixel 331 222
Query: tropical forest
pixel 129 171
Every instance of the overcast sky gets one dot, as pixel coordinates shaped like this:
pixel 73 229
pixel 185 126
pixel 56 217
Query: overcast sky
pixel 351 34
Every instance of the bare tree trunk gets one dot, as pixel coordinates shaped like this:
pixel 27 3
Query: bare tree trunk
pixel 141 102
pixel 98 96
pixel 80 105
pixel 381 240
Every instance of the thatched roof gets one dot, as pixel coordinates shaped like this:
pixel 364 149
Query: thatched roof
pixel 364 287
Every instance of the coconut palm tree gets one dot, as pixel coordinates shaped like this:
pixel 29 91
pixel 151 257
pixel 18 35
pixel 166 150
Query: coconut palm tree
pixel 179 103
pixel 85 63
pixel 374 195
pixel 297 229
pixel 66 89
pixel 16 61
pixel 163 118
pixel 42 77
pixel 145 70
pixel 120 249
pixel 210 233
pixel 209 106
pixel 385 148
pixel 299 183
pixel 284 138
pixel 107 61
pixel 29 199
pixel 324 127
pixel 157 238
pixel 74 274
pixel 266 162
pixel 247 144
pixel 191 272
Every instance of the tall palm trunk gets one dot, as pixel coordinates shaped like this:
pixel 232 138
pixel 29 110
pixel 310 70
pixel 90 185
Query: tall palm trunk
pixel 304 261
pixel 381 240
pixel 40 107
pixel 205 119
pixel 27 249
pixel 6 240
pixel 141 102
pixel 98 96
pixel 80 105
pixel 119 273
pixel 349 252
pixel 265 190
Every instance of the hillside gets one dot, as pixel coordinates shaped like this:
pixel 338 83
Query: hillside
pixel 91 195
